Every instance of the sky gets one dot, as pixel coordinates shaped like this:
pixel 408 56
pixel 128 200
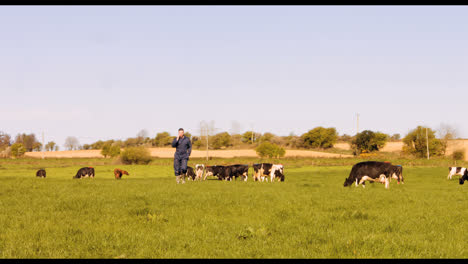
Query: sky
pixel 107 72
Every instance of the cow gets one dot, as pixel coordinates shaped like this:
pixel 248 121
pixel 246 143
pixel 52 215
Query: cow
pixel 118 173
pixel 215 170
pixel 463 178
pixel 239 170
pixel 84 173
pixel 190 174
pixel 41 173
pixel 199 170
pixel 370 171
pixel 263 170
pixel 456 171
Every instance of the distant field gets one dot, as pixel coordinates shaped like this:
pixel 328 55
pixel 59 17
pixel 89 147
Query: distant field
pixel 146 215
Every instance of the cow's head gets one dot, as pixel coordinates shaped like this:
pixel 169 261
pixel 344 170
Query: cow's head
pixel 125 172
pixel 464 177
pixel 348 182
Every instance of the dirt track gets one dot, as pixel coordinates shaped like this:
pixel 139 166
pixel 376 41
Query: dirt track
pixel 169 153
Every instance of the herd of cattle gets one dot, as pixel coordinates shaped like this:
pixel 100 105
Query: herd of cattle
pixel 372 171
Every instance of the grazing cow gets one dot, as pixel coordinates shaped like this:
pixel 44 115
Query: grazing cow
pixel 263 170
pixel 118 173
pixel 215 170
pixel 370 171
pixel 190 173
pixel 456 171
pixel 199 169
pixel 41 173
pixel 84 173
pixel 464 177
pixel 239 170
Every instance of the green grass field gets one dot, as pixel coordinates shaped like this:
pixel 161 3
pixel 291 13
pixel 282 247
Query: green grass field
pixel 146 215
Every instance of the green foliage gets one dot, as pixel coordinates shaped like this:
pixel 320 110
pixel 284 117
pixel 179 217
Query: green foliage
pixel 17 150
pixel 368 141
pixel 37 146
pixel 247 137
pixel 136 155
pixel 220 140
pixel 162 139
pixel 270 150
pixel 266 137
pixel 320 137
pixel 28 140
pixel 50 146
pixel 415 143
pixel 109 150
pixel 458 154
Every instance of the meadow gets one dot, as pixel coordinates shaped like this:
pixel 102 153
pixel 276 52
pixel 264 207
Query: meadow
pixel 147 215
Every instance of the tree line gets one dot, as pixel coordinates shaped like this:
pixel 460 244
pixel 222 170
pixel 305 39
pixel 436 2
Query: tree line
pixel 266 144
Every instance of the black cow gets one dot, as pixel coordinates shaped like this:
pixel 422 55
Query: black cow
pixel 190 173
pixel 41 173
pixel 84 173
pixel 215 170
pixel 370 171
pixel 239 170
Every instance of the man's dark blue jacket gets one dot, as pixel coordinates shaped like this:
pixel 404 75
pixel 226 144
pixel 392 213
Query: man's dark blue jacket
pixel 183 147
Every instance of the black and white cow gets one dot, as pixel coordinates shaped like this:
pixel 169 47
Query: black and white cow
pixel 456 171
pixel 41 173
pixel 199 170
pixel 264 170
pixel 190 174
pixel 239 170
pixel 215 170
pixel 84 173
pixel 464 177
pixel 370 171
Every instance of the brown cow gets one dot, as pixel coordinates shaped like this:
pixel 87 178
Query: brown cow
pixel 118 173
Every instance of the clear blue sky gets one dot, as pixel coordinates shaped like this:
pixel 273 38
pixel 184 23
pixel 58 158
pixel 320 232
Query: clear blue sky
pixel 100 72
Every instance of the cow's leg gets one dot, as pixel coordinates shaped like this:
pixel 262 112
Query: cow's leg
pixel 387 183
pixel 357 182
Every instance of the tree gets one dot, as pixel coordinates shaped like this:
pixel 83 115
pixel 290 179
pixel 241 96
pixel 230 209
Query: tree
pixel 27 140
pixel 37 146
pixel 346 138
pixel 267 149
pixel 320 137
pixel 221 140
pixel 162 139
pixel 71 143
pixel 266 137
pixel 111 150
pixel 446 133
pixel 368 141
pixel 17 150
pixel 5 141
pixel 247 137
pixel 395 137
pixel 415 142
pixel 50 146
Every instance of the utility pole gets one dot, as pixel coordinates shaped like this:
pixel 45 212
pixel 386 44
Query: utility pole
pixel 43 146
pixel 207 143
pixel 427 144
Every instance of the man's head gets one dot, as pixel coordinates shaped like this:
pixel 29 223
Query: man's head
pixel 181 132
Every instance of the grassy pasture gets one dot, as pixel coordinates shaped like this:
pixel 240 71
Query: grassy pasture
pixel 146 215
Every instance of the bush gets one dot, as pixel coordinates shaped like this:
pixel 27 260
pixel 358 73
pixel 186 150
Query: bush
pixel 135 155
pixel 320 137
pixel 221 140
pixel 270 150
pixel 17 150
pixel 415 143
pixel 459 154
pixel 368 141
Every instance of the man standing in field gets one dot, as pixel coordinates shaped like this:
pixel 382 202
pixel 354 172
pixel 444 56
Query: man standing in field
pixel 181 156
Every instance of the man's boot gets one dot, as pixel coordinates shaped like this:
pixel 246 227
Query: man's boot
pixel 183 178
